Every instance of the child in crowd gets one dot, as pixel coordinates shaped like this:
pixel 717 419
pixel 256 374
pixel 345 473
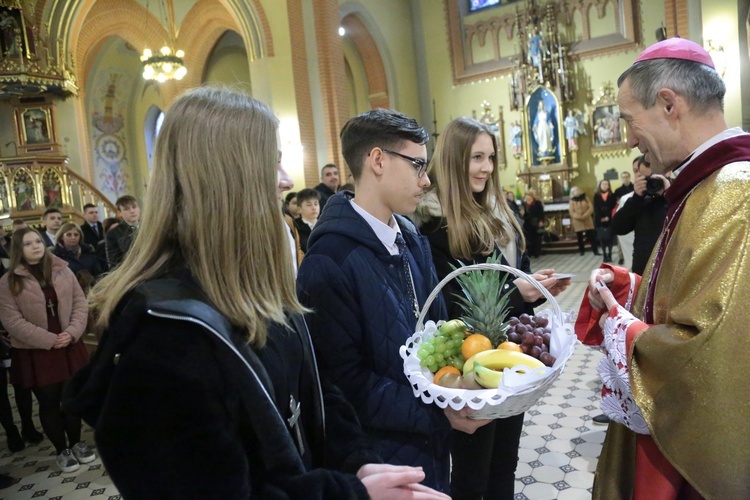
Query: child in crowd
pixel 308 201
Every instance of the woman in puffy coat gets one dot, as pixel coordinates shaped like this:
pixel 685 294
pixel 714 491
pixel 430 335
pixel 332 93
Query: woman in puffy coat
pixel 581 210
pixel 44 310
pixel 81 258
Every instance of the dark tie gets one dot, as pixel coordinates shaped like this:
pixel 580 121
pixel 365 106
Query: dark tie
pixel 406 270
pixel 96 229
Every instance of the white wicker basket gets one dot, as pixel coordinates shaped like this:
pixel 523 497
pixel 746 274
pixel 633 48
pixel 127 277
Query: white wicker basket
pixel 518 391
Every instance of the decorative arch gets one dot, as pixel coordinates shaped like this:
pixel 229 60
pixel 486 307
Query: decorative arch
pixel 377 81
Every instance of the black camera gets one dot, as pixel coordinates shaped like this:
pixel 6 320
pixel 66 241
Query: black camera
pixel 654 185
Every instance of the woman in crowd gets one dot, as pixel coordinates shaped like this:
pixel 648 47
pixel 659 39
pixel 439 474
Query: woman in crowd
pixel 81 258
pixel 581 210
pixel 604 207
pixel 216 393
pixel 44 310
pixel 466 219
pixel 533 222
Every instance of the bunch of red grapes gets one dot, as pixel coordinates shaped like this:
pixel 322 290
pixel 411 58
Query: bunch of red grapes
pixel 533 335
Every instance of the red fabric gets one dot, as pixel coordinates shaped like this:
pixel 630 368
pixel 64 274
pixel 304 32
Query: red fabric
pixel 587 323
pixel 40 367
pixel 655 478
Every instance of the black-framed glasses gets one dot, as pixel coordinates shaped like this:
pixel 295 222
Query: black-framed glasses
pixel 419 163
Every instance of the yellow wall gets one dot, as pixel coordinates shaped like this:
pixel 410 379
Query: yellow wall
pixel 720 24
pixel 390 24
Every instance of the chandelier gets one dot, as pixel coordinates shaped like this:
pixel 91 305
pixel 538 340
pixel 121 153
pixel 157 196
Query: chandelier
pixel 163 66
pixel 167 64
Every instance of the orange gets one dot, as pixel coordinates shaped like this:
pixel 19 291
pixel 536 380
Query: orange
pixel 475 343
pixel 445 370
pixel 510 346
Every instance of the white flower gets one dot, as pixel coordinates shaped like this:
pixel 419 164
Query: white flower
pixel 612 408
pixel 608 372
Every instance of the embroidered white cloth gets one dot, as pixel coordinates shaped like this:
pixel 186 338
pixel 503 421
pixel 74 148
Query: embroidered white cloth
pixel 617 398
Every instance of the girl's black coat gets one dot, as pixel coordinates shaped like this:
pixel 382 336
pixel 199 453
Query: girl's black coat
pixel 182 408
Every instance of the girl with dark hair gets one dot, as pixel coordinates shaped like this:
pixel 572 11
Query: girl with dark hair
pixel 44 310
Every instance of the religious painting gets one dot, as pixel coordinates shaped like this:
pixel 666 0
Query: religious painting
pixel 23 190
pixel 52 187
pixel 608 129
pixel 543 128
pixel 36 126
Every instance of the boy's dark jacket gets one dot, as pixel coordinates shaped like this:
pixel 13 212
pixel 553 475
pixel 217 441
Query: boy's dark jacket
pixel 362 316
pixel 169 352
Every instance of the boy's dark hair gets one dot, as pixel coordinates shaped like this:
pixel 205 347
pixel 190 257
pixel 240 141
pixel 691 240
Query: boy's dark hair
pixel 18 222
pixel 382 128
pixel 124 201
pixel 307 194
pixel 88 205
pixel 289 197
pixel 51 210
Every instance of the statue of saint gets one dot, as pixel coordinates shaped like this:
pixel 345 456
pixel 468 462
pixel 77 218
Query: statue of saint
pixel 571 130
pixel 543 130
pixel 516 138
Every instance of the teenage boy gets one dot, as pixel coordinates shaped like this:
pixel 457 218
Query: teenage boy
pixel 120 237
pixel 308 201
pixel 52 221
pixel 366 275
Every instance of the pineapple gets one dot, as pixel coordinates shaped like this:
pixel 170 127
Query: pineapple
pixel 484 303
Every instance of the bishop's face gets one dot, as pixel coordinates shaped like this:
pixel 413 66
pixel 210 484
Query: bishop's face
pixel 651 130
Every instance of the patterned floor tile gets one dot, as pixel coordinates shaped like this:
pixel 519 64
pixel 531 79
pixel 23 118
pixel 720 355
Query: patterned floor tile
pixel 563 470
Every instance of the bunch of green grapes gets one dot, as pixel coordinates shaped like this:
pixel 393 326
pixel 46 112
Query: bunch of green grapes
pixel 441 350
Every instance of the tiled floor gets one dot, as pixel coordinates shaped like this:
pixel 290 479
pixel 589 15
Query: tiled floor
pixel 559 444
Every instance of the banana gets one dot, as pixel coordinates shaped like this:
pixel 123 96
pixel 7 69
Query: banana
pixel 469 365
pixel 488 365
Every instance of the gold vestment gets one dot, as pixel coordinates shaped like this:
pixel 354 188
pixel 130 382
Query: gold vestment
pixel 689 371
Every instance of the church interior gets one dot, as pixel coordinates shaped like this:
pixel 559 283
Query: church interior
pixel 84 85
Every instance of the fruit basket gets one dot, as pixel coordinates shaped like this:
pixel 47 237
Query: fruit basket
pixel 519 389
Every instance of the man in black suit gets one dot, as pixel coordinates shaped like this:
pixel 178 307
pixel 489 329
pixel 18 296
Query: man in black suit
pixel 93 231
pixel 329 183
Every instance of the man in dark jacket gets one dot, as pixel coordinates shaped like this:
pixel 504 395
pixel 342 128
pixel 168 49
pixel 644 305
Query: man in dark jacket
pixel 644 214
pixel 122 236
pixel 92 229
pixel 329 183
pixel 366 274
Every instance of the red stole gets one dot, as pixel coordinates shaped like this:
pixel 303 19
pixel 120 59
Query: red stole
pixel 720 154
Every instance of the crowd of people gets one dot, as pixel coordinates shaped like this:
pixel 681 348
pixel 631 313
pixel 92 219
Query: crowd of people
pixel 275 358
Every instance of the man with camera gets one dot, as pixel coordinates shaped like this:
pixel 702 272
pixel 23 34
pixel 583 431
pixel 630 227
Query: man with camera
pixel 643 213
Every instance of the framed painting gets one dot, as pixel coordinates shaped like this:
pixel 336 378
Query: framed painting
pixel 608 129
pixel 34 124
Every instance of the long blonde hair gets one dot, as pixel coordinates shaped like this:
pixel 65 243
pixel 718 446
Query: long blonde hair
pixel 212 206
pixel 476 221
